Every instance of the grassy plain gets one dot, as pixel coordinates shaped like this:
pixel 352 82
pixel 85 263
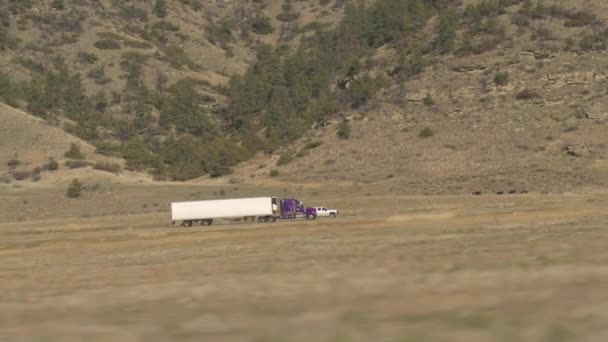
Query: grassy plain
pixel 459 268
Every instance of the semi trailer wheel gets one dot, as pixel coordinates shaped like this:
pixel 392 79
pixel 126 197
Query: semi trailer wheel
pixel 206 222
pixel 187 223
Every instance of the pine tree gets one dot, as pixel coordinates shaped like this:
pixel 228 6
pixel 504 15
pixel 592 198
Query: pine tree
pixel 446 34
pixel 58 5
pixel 74 189
pixel 160 8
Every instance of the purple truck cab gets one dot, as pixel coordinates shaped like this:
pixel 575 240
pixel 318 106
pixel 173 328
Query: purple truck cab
pixel 292 208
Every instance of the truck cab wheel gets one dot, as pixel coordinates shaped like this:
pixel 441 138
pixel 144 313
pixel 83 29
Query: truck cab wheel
pixel 311 216
pixel 332 215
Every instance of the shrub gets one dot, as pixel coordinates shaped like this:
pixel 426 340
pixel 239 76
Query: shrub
pixel 74 152
pixel 36 176
pixel 274 173
pixel 108 167
pixel 313 144
pixel 261 25
pixel 76 164
pixel 165 26
pixel 109 149
pixel 426 132
pixel 527 94
pixel 285 158
pixel 428 100
pixel 86 58
pixel 13 163
pixel 288 16
pixel 137 44
pixel 578 19
pixel 501 78
pixel 107 44
pixel 301 153
pixel 160 8
pixel 343 130
pixel 21 174
pixel 53 165
pixel 74 189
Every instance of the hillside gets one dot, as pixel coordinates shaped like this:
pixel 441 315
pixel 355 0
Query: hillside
pixel 526 115
pixel 397 95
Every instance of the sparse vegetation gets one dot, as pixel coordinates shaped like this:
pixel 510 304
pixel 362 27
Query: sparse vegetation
pixel 501 78
pixel 426 132
pixel 527 94
pixel 74 189
pixel 312 145
pixel 86 57
pixel 343 130
pixel 285 158
pixel 107 44
pixel 261 25
pixel 13 163
pixel 52 165
pixel 74 152
pixel 428 100
pixel 108 167
pixel 21 174
pixel 274 173
pixel 76 164
pixel 160 8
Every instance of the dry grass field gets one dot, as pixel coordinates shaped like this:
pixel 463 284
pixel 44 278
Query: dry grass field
pixel 390 268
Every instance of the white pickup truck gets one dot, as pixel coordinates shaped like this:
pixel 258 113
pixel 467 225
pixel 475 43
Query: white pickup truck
pixel 324 212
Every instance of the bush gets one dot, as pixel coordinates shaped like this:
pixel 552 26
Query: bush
pixel 109 149
pixel 74 152
pixel 501 78
pixel 74 189
pixel 343 130
pixel 21 174
pixel 426 132
pixel 288 16
pixel 108 167
pixel 578 19
pixel 313 144
pixel 53 165
pixel 137 44
pixel 36 175
pixel 261 25
pixel 86 58
pixel 107 44
pixel 76 164
pixel 13 163
pixel 165 26
pixel 527 94
pixel 428 100
pixel 274 173
pixel 285 158
pixel 160 8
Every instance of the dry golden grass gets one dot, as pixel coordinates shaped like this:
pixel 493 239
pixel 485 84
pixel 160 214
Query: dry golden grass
pixel 391 268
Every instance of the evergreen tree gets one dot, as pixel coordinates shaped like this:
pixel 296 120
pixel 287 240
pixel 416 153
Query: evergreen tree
pixel 74 189
pixel 58 5
pixel 160 8
pixel 446 31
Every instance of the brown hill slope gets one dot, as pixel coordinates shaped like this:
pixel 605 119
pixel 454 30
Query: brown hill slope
pixel 33 142
pixel 529 115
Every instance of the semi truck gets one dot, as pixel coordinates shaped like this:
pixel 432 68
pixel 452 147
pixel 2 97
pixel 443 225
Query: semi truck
pixel 262 209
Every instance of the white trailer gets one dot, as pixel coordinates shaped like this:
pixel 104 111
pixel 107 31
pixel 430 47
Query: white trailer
pixel 204 212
